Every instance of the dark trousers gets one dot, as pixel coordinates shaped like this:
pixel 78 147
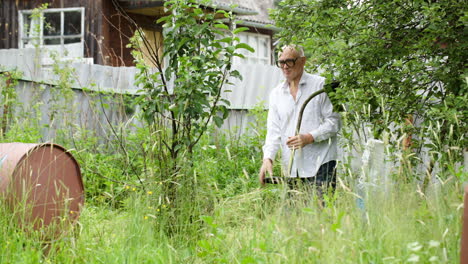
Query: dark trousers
pixel 322 182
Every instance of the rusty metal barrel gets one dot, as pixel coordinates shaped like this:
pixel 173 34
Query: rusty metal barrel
pixel 41 183
pixel 464 238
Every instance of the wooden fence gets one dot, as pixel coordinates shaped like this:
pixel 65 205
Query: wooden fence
pixel 89 80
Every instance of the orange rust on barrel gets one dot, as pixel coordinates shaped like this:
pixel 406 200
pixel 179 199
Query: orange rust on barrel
pixel 41 183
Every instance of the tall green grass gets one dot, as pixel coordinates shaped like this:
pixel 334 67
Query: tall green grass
pixel 261 226
pixel 222 215
pixel 228 218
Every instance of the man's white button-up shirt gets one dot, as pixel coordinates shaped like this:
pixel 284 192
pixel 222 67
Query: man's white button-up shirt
pixel 318 119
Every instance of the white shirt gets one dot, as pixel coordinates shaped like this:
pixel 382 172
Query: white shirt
pixel 318 119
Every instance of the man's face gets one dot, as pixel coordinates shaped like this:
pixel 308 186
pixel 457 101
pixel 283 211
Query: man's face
pixel 291 64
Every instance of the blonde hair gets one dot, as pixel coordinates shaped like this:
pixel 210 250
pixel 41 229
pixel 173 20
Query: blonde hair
pixel 299 49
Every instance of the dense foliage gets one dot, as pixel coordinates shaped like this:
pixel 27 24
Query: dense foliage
pixel 396 61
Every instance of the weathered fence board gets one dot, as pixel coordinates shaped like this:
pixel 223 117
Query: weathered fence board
pixel 258 80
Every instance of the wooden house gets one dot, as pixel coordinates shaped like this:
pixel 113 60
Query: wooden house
pixel 99 30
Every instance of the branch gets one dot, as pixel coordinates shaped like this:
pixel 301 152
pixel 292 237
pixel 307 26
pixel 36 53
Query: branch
pixel 120 142
pixel 218 96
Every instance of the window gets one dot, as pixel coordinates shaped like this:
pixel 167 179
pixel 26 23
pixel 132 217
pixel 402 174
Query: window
pixel 56 28
pixel 261 44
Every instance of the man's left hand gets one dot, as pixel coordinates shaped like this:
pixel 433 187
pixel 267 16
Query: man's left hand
pixel 300 141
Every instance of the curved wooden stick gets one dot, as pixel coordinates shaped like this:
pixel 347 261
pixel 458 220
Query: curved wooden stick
pixel 298 125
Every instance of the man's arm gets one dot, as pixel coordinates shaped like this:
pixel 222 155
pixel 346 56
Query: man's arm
pixel 300 140
pixel 331 121
pixel 272 141
pixel 267 166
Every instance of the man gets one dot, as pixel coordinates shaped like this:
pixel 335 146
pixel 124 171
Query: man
pixel 316 144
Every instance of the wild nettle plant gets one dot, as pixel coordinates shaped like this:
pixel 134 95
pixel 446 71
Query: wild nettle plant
pixel 180 98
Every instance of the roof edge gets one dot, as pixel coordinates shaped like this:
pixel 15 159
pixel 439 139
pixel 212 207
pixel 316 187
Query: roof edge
pixel 259 25
pixel 255 25
pixel 237 9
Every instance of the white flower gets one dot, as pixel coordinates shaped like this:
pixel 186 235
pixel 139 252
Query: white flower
pixel 434 259
pixel 415 246
pixel 434 243
pixel 413 258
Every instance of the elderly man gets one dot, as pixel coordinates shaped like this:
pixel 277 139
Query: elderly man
pixel 316 144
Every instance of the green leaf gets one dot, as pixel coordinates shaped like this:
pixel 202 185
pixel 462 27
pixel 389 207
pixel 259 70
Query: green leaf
pixel 239 30
pixel 197 11
pixel 218 121
pixel 244 46
pixel 242 56
pixel 236 74
pixel 226 40
pixel 226 102
pixel 222 26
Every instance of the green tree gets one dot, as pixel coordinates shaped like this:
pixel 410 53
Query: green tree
pixel 183 95
pixel 394 59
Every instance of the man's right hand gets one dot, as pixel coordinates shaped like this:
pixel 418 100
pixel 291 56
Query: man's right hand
pixel 267 166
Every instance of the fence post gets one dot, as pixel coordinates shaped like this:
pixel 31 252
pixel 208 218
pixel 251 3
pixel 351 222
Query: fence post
pixel 464 238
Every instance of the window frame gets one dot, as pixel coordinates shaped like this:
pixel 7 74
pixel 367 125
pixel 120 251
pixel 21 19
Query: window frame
pixel 41 37
pixel 255 56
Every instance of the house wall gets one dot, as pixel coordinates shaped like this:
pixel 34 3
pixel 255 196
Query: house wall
pixel 107 33
pixel 154 46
